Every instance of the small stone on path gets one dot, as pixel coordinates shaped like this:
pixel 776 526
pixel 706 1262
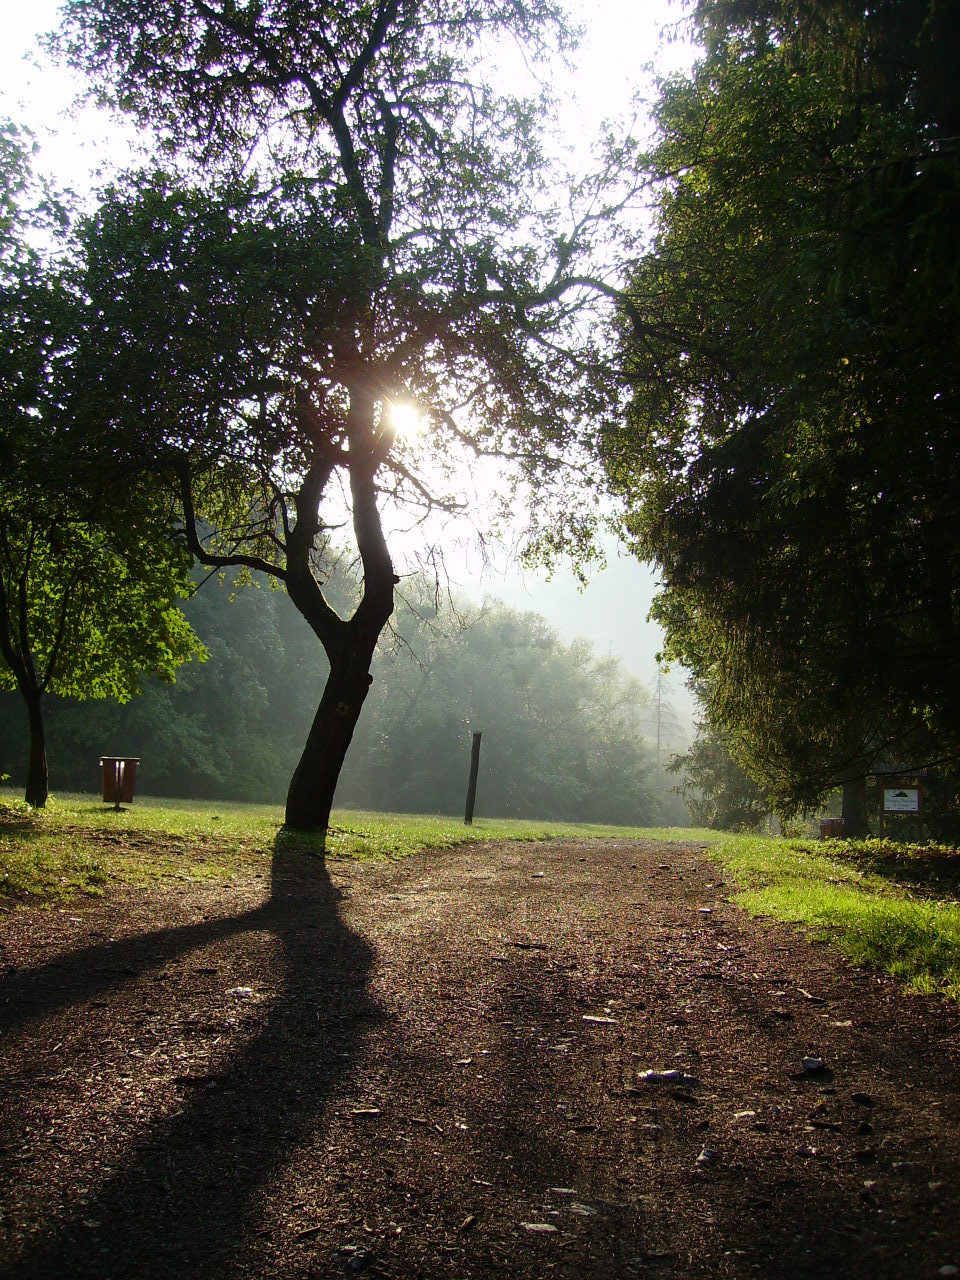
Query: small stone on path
pixel 667 1077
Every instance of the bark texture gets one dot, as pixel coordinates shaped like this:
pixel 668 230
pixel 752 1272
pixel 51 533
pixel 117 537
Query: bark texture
pixel 854 808
pixel 314 782
pixel 38 783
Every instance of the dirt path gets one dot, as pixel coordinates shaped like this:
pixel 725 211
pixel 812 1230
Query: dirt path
pixel 435 1068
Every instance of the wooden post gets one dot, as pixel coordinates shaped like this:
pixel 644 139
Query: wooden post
pixel 472 784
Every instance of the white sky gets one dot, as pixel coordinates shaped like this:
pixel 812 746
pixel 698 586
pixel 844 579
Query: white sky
pixel 623 37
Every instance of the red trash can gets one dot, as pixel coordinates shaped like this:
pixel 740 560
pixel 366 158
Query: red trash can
pixel 119 773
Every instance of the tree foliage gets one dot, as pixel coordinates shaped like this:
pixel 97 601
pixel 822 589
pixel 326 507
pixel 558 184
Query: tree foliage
pixel 792 451
pixel 87 590
pixel 715 788
pixel 351 217
pixel 561 728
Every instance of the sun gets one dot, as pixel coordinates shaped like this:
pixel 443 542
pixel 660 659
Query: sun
pixel 407 419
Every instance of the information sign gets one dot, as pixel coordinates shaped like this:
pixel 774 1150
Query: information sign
pixel 901 800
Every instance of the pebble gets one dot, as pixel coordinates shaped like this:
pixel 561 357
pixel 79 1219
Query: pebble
pixel 813 1065
pixel 948 1269
pixel 706 1158
pixel 539 1228
pixel 667 1077
pixel 241 993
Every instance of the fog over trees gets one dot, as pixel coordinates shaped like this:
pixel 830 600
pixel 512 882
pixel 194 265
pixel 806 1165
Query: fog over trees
pixel 348 232
pixel 562 728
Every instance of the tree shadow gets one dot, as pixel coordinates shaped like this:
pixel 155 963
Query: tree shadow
pixel 181 1195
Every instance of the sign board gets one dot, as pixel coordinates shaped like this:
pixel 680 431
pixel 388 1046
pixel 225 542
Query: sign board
pixel 901 800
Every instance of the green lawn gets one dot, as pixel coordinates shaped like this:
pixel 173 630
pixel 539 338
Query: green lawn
pixel 78 845
pixel 890 906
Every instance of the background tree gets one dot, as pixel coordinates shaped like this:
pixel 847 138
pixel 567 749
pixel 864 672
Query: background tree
pixel 792 452
pixel 87 592
pixel 562 728
pixel 715 788
pixel 359 223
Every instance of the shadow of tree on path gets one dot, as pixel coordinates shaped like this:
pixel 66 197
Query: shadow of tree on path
pixel 181 1197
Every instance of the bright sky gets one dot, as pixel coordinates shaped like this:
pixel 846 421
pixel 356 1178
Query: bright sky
pixel 623 37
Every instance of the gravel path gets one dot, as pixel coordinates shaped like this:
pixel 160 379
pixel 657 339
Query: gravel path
pixel 440 1067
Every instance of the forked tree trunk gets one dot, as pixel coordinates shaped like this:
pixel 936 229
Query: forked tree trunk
pixel 349 645
pixel 854 808
pixel 312 787
pixel 37 779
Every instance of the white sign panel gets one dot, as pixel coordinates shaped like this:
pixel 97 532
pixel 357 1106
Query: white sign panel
pixel 901 800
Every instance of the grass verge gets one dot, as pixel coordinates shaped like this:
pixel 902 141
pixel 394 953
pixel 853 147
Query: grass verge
pixel 891 907
pixel 78 846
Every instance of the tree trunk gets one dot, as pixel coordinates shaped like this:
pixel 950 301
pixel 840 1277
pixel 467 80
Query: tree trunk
pixel 310 796
pixel 349 645
pixel 37 780
pixel 854 808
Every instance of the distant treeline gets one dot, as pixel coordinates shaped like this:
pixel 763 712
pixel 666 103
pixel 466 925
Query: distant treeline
pixel 561 727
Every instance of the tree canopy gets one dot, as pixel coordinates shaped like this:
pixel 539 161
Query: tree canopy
pixel 88 585
pixel 791 456
pixel 564 731
pixel 715 788
pixel 345 217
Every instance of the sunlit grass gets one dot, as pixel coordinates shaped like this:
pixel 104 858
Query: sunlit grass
pixel 355 834
pixel 874 904
pixel 889 906
pixel 79 846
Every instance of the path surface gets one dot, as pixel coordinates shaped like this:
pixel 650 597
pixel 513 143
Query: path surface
pixel 435 1068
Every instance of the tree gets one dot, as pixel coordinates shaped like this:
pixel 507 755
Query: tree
pixel 359 224
pixel 716 790
pixel 561 727
pixel 792 456
pixel 87 592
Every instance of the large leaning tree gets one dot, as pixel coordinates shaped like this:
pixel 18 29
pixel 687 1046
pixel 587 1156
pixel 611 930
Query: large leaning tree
pixel 792 454
pixel 354 229
pixel 89 574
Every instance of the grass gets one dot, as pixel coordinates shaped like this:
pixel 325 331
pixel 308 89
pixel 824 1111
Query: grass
pixel 79 846
pixel 891 906
pixel 888 906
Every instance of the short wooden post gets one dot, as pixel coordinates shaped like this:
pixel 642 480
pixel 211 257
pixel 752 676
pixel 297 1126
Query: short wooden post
pixel 472 784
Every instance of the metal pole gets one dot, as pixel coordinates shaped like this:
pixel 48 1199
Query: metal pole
pixel 472 785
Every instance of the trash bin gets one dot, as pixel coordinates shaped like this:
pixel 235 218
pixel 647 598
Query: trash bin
pixel 831 828
pixel 119 774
